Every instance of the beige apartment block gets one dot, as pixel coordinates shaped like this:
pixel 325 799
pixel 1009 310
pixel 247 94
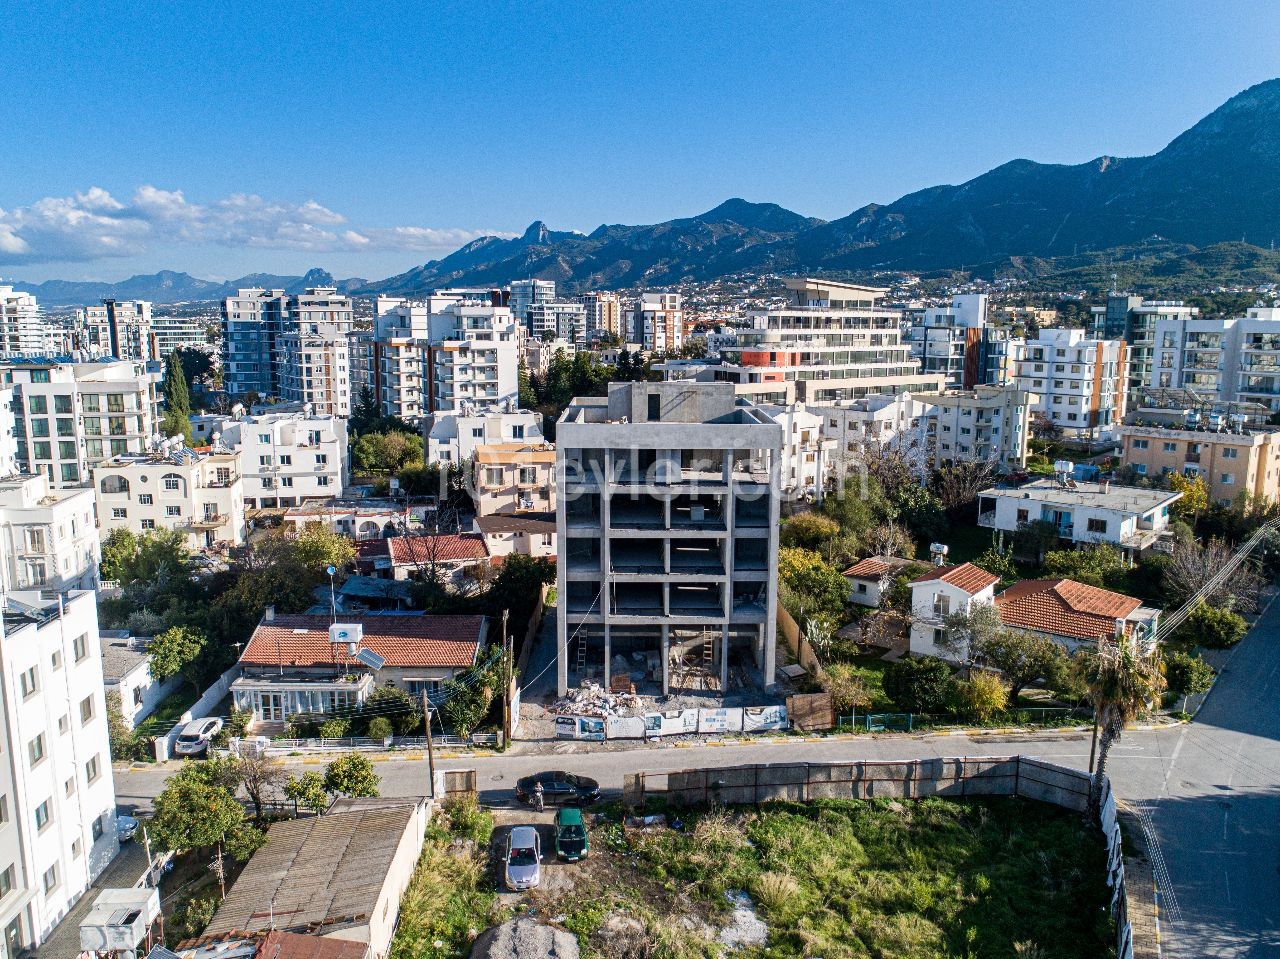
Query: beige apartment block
pixel 514 478
pixel 1230 463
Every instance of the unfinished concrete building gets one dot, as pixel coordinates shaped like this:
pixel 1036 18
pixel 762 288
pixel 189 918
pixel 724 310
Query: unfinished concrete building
pixel 668 525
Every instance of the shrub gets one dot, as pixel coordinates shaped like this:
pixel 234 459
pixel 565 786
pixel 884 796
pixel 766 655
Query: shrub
pixel 982 696
pixel 848 690
pixel 1213 627
pixel 1187 675
pixel 379 727
pixel 918 685
pixel 335 728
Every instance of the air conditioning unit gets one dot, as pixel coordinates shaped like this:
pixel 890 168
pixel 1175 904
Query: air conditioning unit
pixel 119 920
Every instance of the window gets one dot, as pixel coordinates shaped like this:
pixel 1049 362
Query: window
pixel 493 477
pixel 145 499
pixel 171 482
pixel 286 459
pixel 41 451
pixel 70 473
pixel 64 724
pixel 86 709
pixel 137 696
pixel 322 459
pixel 1141 444
pixel 1023 516
pixel 91 402
pixel 1227 479
pixel 286 481
pixel 1170 447
pixel 43 815
pixel 115 403
pixel 56 659
pixel 148 524
pixel 51 878
pixel 38 404
pixel 92 770
pixel 75 848
pixel 4 808
pixel 66 426
pixel 69 787
pixel 322 481
pixel 29 682
pixel 66 449
pixel 6 880
pixel 96 830
pixel 119 512
pixel 264 460
pixel 477 432
pixel 941 604
pixel 1140 468
pixel 39 427
pixel 80 647
pixel 1097 525
pixel 1230 453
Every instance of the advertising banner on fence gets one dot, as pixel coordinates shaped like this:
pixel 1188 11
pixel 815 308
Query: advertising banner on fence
pixel 757 718
pixel 624 727
pixel 580 727
pixel 674 723
pixel 719 720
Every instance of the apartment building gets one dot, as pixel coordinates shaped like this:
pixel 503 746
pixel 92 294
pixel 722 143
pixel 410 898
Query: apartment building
pixel 452 438
pixel 1235 359
pixel 48 538
pixel 988 424
pixel 1137 322
pixel 119 329
pixel 558 321
pixel 25 330
pixel 71 416
pixel 58 831
pixel 831 346
pixel 173 487
pixel 1241 460
pixel 537 355
pixel 291 346
pixel 806 455
pixel 657 323
pixel 884 419
pixel 514 478
pixel 1080 384
pixel 957 342
pixel 604 314
pixel 667 533
pixel 179 333
pixel 288 458
pixel 523 294
pixel 454 352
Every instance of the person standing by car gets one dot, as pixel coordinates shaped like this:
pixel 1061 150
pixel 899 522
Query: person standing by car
pixel 537 795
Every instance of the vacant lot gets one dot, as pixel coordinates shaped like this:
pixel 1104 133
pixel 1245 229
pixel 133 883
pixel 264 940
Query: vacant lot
pixel 837 879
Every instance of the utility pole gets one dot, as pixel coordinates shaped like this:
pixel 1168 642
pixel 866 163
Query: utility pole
pixel 431 753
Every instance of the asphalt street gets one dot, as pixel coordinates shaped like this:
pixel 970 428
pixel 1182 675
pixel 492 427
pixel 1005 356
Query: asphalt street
pixel 1210 791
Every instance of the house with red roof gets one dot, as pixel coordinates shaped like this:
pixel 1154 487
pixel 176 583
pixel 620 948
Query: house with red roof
pixel 942 592
pixel 449 555
pixel 1076 614
pixel 869 578
pixel 306 664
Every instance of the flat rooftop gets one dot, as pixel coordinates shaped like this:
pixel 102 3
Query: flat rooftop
pixel 1132 499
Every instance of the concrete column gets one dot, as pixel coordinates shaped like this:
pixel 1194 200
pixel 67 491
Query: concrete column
pixel 666 659
pixel 771 594
pixel 724 658
pixel 608 654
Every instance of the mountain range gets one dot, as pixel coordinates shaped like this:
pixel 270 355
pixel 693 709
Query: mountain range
pixel 1216 183
pixel 168 286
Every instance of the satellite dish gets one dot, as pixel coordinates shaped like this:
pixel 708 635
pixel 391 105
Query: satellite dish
pixel 371 659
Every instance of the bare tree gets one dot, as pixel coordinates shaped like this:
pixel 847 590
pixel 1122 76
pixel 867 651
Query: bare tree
pixel 960 483
pixel 1192 565
pixel 259 776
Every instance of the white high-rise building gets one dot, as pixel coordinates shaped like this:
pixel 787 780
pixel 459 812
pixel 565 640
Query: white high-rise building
pixel 179 333
pixel 833 345
pixel 558 321
pixel 1228 360
pixel 118 328
pixel 1080 384
pixel 657 323
pixel 25 331
pixel 956 341
pixel 452 439
pixel 525 293
pixel 58 828
pixel 71 416
pixel 48 537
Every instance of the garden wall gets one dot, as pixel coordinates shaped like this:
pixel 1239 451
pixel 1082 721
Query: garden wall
pixel 959 778
pixel 202 707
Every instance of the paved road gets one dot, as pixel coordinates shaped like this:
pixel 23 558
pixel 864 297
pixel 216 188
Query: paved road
pixel 1211 789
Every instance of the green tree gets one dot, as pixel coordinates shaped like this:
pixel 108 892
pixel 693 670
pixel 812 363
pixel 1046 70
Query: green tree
pixel 999 563
pixel 387 452
pixel 811 531
pixel 1033 539
pixel 528 395
pixel 379 728
pixel 469 696
pixel 192 814
pixel 365 411
pixel 1099 565
pixel 859 507
pixel 402 711
pixel 1120 684
pixel 195 363
pixel 177 400
pixel 848 689
pixel 966 633
pixel 918 685
pixel 351 775
pixel 1025 658
pixel 318 547
pixel 1187 675
pixel 816 584
pixel 307 792
pixel 177 651
pixel 118 550
pixel 125 742
pixel 1212 627
pixel 920 510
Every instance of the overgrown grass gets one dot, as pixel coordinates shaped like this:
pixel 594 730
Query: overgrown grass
pixel 167 712
pixel 451 896
pixel 920 879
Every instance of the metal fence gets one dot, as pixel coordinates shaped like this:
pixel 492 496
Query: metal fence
pixel 907 722
pixel 359 743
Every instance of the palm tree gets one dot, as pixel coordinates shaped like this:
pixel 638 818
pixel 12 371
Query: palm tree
pixel 1121 683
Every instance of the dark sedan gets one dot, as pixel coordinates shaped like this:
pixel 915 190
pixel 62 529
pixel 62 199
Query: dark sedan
pixel 559 788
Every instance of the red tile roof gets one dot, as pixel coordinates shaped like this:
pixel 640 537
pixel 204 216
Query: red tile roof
pixel 420 640
pixel 869 568
pixel 972 579
pixel 1064 607
pixel 424 549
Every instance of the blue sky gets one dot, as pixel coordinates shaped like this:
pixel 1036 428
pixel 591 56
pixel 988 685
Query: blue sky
pixel 277 136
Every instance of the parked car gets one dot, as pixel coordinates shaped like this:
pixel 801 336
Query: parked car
pixel 196 736
pixel 524 857
pixel 559 788
pixel 126 827
pixel 571 835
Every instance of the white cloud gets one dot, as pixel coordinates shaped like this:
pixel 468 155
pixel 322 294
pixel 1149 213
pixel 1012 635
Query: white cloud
pixel 95 225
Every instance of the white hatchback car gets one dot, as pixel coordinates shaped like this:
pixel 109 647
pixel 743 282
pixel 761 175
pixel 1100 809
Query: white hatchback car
pixel 196 736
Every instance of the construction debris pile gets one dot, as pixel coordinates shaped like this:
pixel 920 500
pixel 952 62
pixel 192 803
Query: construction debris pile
pixel 590 699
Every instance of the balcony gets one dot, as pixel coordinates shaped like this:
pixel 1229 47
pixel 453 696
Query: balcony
pixel 208 521
pixel 1193 457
